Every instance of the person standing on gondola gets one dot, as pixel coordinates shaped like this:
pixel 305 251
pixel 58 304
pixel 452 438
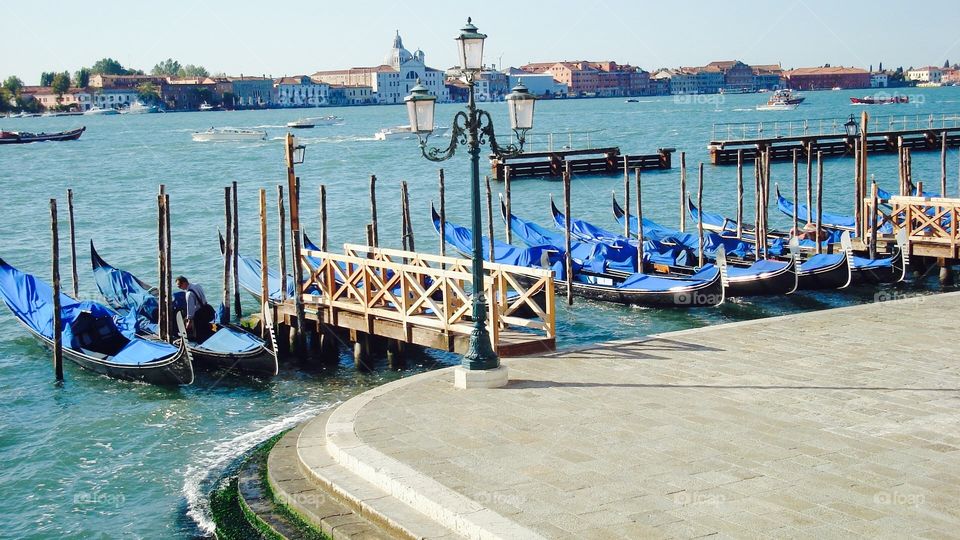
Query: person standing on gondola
pixel 199 314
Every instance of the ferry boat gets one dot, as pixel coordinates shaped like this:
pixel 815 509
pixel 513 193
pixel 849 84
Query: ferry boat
pixel 304 123
pixel 229 134
pixel 782 100
pixel 100 111
pixel 880 100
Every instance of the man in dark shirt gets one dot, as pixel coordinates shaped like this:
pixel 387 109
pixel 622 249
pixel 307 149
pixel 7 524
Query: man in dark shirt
pixel 199 314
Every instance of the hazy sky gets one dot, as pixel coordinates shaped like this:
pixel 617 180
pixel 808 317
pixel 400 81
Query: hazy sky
pixel 287 38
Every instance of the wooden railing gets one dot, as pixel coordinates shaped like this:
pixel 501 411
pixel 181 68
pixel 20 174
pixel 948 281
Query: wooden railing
pixel 929 221
pixel 427 291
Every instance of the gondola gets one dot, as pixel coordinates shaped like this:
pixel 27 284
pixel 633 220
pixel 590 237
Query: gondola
pixel 93 335
pixel 230 347
pixel 23 137
pixel 744 278
pixel 592 277
pixel 249 277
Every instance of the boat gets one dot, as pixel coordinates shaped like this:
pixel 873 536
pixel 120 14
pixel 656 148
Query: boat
pixel 593 276
pixel 100 111
pixel 229 134
pixel 93 335
pixel 305 123
pixel 138 107
pixel 249 276
pixel 207 107
pixel 632 100
pixel 782 100
pixel 230 347
pixel 880 100
pixel 744 277
pixel 23 137
pixel 835 88
pixel 403 132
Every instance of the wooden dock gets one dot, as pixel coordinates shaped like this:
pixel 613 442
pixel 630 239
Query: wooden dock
pixel 598 161
pixel 930 223
pixel 423 299
pixel 828 136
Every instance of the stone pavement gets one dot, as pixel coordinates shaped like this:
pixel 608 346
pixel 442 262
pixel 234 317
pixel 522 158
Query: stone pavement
pixel 829 424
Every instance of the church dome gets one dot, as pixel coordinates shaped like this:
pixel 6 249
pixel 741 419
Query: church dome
pixel 397 55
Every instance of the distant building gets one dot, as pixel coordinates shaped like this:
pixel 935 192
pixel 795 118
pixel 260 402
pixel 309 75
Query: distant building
pixel 950 76
pixel 678 81
pixel 74 98
pixel 825 78
pixel 391 81
pixel 767 76
pixel 251 92
pixel 458 90
pixel 707 79
pixel 604 78
pixel 928 74
pixel 300 91
pixel 124 81
pixel 879 80
pixel 737 76
pixel 114 98
pixel 189 93
pixel 355 94
pixel 492 85
pixel 538 84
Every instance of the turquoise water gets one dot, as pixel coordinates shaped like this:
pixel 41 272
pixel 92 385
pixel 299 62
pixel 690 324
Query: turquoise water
pixel 103 457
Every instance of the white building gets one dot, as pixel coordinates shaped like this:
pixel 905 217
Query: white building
pixel 878 80
pixel 114 98
pixel 681 81
pixel 538 84
pixel 392 80
pixel 927 74
pixel 301 91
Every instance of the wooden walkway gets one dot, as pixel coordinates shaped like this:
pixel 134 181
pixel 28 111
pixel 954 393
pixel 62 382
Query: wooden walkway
pixel 424 299
pixel 930 223
pixel 598 161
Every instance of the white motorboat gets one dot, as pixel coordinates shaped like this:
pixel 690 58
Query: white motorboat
pixel 230 134
pixel 403 132
pixel 100 111
pixel 782 100
pixel 206 106
pixel 138 107
pixel 316 121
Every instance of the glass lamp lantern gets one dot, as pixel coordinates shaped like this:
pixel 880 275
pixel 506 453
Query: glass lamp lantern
pixel 852 127
pixel 299 151
pixel 520 104
pixel 420 108
pixel 471 47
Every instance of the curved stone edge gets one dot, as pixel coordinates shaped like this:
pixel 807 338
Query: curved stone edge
pixel 460 514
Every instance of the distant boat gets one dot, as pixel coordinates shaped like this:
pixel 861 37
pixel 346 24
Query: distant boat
pixel 879 100
pixel 138 107
pixel 207 107
pixel 631 100
pixel 782 100
pixel 403 132
pixel 304 123
pixel 100 111
pixel 836 88
pixel 230 134
pixel 22 137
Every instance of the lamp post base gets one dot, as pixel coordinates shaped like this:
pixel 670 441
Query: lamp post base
pixel 480 378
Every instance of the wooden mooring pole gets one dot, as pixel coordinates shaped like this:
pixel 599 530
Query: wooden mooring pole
pixel 55 269
pixel 943 164
pixel 506 196
pixel 739 193
pixel 796 193
pixel 282 243
pixel 74 277
pixel 323 217
pixel 227 249
pixel 406 210
pixel 373 209
pixel 235 255
pixel 264 284
pixel 626 198
pixel 873 221
pixel 639 222
pixel 756 208
pixel 568 258
pixel 809 182
pixel 163 281
pixel 492 252
pixel 683 191
pixel 168 261
pixel 819 231
pixel 862 184
pixel 700 215
pixel 443 216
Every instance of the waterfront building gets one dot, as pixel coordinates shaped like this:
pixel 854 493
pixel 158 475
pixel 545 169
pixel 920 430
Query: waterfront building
pixel 75 98
pixel 737 76
pixel 492 85
pixel 767 76
pixel 678 81
pixel 707 79
pixel 124 81
pixel 587 78
pixel 351 94
pixel 114 98
pixel 391 81
pixel 825 78
pixel 187 94
pixel 928 74
pixel 300 91
pixel 538 84
pixel 879 79
pixel 950 76
pixel 251 92
pixel 458 90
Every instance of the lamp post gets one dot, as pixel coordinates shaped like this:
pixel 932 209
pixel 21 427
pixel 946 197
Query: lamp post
pixel 473 127
pixel 295 154
pixel 851 127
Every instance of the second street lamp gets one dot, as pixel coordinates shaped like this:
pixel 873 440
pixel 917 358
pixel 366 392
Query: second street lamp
pixel 472 128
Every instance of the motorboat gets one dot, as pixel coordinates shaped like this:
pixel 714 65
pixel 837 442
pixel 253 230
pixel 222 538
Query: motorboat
pixel 138 107
pixel 880 100
pixel 100 111
pixel 782 100
pixel 207 107
pixel 303 123
pixel 403 132
pixel 229 134
pixel 22 137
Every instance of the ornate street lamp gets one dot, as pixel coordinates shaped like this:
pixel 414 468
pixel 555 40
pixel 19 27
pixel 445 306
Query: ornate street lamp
pixel 851 127
pixel 298 152
pixel 472 128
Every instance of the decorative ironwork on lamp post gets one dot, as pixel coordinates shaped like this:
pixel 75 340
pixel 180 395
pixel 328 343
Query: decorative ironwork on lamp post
pixel 472 128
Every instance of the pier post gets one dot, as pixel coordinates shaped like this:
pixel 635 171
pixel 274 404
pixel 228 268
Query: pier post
pixel 405 199
pixel 568 258
pixel 55 269
pixel 282 243
pixel 293 188
pixel 373 209
pixel 819 201
pixel 901 189
pixel 264 284
pixel 739 193
pixel 943 164
pixel 323 217
pixel 796 192
pixel 404 218
pixel 683 192
pixel 626 198
pixel 168 258
pixel 227 252
pixel 163 315
pixel 873 221
pixel 506 196
pixel 946 272
pixel 700 214
pixel 756 208
pixel 235 255
pixel 862 183
pixel 396 354
pixel 639 222
pixel 443 215
pixel 809 182
pixel 490 222
pixel 75 280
